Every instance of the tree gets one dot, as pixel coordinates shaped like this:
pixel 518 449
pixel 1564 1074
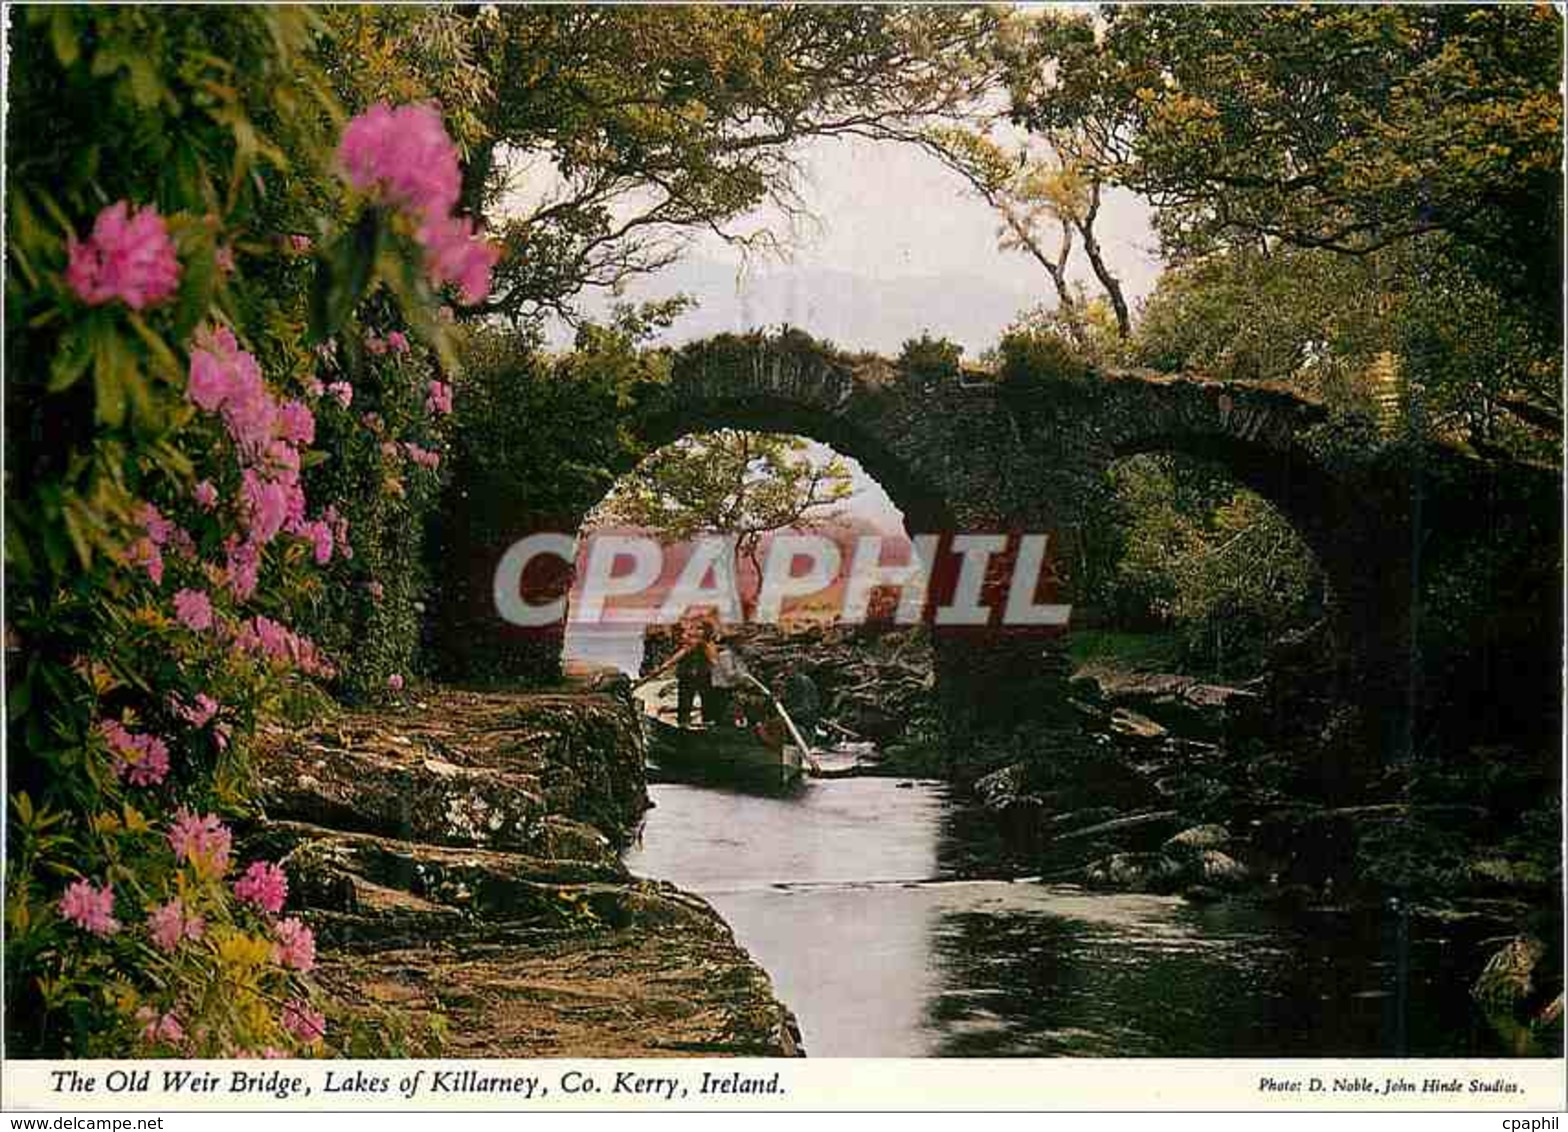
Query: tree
pixel 1348 129
pixel 601 139
pixel 1043 207
pixel 731 482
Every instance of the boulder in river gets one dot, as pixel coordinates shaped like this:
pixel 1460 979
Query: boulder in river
pixel 1197 838
pixel 1135 872
pixel 1220 870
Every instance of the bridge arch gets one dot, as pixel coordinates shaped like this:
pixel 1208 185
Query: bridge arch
pixel 956 452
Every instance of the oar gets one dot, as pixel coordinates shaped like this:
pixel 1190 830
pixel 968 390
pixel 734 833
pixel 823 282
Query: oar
pixel 805 747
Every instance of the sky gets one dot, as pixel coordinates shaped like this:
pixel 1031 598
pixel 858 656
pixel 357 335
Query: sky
pixel 898 247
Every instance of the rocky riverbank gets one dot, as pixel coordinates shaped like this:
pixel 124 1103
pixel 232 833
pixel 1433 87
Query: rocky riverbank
pixel 1192 788
pixel 457 856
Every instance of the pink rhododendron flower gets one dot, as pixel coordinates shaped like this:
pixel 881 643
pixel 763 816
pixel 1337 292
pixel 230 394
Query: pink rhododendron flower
pixel 150 765
pixel 406 154
pixel 265 885
pixel 194 609
pixel 397 342
pixel 185 546
pixel 206 495
pixel 264 635
pixel 343 391
pixel 158 528
pixel 320 535
pixel 300 243
pixel 376 590
pixel 424 457
pixel 395 682
pixel 203 841
pixel 198 714
pixel 169 926
pixel 214 355
pixel 266 507
pixel 304 1023
pixel 375 345
pixel 297 424
pixel 439 399
pixel 160 1028
pixel 242 569
pixel 90 908
pixel 225 378
pixel 454 253
pixel 145 553
pixel 141 760
pixel 296 946
pixel 129 257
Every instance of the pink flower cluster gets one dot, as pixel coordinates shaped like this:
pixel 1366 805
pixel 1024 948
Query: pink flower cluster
pixel 205 842
pixel 147 551
pixel 160 1028
pixel 225 379
pixel 194 609
pixel 454 253
pixel 407 155
pixel 170 925
pixel 279 642
pixel 394 343
pixel 90 908
pixel 129 257
pixel 141 760
pixel 296 946
pixel 197 714
pixel 438 402
pixel 424 457
pixel 304 1023
pixel 265 885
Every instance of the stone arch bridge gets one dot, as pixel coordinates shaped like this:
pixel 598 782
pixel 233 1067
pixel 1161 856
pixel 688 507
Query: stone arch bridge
pixel 1025 450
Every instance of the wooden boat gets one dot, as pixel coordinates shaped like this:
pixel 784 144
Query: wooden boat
pixel 722 755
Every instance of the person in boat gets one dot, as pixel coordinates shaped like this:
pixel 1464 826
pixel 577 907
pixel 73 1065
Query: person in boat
pixel 693 664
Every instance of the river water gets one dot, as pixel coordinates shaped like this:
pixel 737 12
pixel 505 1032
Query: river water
pixel 867 902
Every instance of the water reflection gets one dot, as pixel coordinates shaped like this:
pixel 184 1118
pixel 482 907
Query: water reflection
pixel 856 898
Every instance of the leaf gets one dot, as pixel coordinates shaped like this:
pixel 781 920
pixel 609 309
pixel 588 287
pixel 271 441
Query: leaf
pixel 197 283
pixel 342 276
pixel 167 364
pixel 72 356
pixel 21 696
pixel 110 364
pixel 63 36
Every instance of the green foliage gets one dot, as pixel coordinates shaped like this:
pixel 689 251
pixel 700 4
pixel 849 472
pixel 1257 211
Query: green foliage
pixel 538 441
pixel 927 358
pixel 1031 357
pixel 1192 552
pixel 1345 128
pixel 1363 335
